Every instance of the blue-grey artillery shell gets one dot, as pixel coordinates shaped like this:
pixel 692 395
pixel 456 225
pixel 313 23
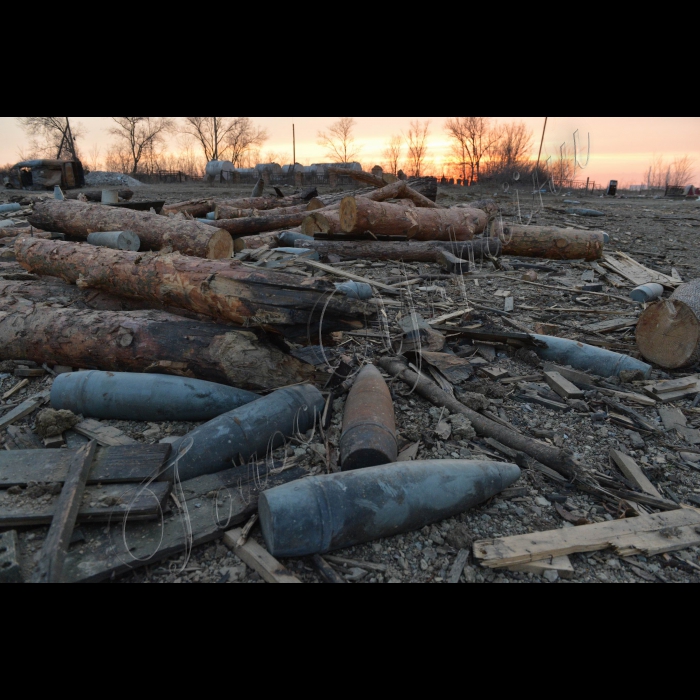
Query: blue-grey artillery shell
pixel 325 513
pixel 292 239
pixel 6 208
pixel 647 293
pixel 117 240
pixel 355 290
pixel 250 431
pixel 603 363
pixel 145 397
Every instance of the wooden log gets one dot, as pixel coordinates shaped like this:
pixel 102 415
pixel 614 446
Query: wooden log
pixel 358 215
pixel 358 176
pixel 259 559
pixel 155 232
pixel 261 224
pixel 668 332
pixel 322 221
pixel 96 195
pixel 53 553
pixel 254 242
pixel 196 208
pixel 556 459
pixel 550 242
pixel 223 290
pixel 408 251
pixel 224 211
pixel 143 341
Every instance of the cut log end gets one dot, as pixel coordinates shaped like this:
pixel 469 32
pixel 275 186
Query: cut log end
pixel 668 335
pixel 316 223
pixel 348 214
pixel 220 246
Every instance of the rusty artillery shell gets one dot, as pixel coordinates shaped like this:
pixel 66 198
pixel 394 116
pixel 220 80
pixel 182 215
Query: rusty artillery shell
pixel 369 428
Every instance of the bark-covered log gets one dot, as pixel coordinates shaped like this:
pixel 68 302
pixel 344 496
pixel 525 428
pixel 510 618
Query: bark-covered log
pixel 155 232
pixel 358 176
pixel 254 242
pixel 550 242
pixel 668 332
pixel 96 195
pixel 358 215
pixel 196 208
pixel 410 251
pixel 145 341
pixel 260 224
pixel 226 291
pixel 224 211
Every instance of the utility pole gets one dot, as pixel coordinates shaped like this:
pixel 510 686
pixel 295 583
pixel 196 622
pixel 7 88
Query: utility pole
pixel 294 144
pixel 539 157
pixel 216 139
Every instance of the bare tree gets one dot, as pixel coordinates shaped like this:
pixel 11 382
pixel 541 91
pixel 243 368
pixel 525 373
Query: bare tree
pixel 224 136
pixel 392 154
pixel 93 159
pixel 473 139
pixel 417 142
pixel 682 171
pixel 339 141
pixel 513 145
pixel 141 135
pixel 54 137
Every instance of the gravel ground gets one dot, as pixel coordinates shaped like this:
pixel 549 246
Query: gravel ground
pixel 659 233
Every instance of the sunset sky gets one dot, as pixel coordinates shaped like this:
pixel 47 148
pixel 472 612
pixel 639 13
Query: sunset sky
pixel 622 147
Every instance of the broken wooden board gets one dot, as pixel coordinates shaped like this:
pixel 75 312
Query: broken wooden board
pixel 23 410
pixel 572 375
pixel 259 559
pixel 540 401
pixel 646 535
pixel 455 369
pixel 103 434
pixel 563 386
pixel 136 502
pixel 494 373
pixel 633 472
pixel 113 465
pixel 560 565
pixel 669 391
pixel 610 325
pixel 627 267
pixel 672 417
pixel 112 553
pixel 49 567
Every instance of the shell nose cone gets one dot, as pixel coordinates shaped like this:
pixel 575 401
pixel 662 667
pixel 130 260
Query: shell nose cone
pixel 510 473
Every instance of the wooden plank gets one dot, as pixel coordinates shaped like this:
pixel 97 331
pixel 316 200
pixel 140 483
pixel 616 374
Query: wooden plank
pixel 23 410
pixel 103 434
pixel 675 385
pixel 660 542
pixel 459 565
pixel 30 372
pixel 348 275
pixel 258 559
pixel 572 375
pixel 561 565
pixel 205 519
pixel 610 325
pixel 53 554
pixel 633 472
pixel 138 502
pixel 112 465
pixel 538 546
pixel 494 373
pixel 563 386
pixel 15 389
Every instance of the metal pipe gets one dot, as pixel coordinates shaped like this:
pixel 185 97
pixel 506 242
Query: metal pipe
pixel 325 513
pixel 291 238
pixel 7 208
pixel 602 362
pixel 145 397
pixel 118 240
pixel 369 427
pixel 251 431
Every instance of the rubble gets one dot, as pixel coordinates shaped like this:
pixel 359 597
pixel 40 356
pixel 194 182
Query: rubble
pixel 105 179
pixel 596 449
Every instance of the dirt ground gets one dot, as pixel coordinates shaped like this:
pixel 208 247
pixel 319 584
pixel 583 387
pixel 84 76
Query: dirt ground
pixel 659 233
